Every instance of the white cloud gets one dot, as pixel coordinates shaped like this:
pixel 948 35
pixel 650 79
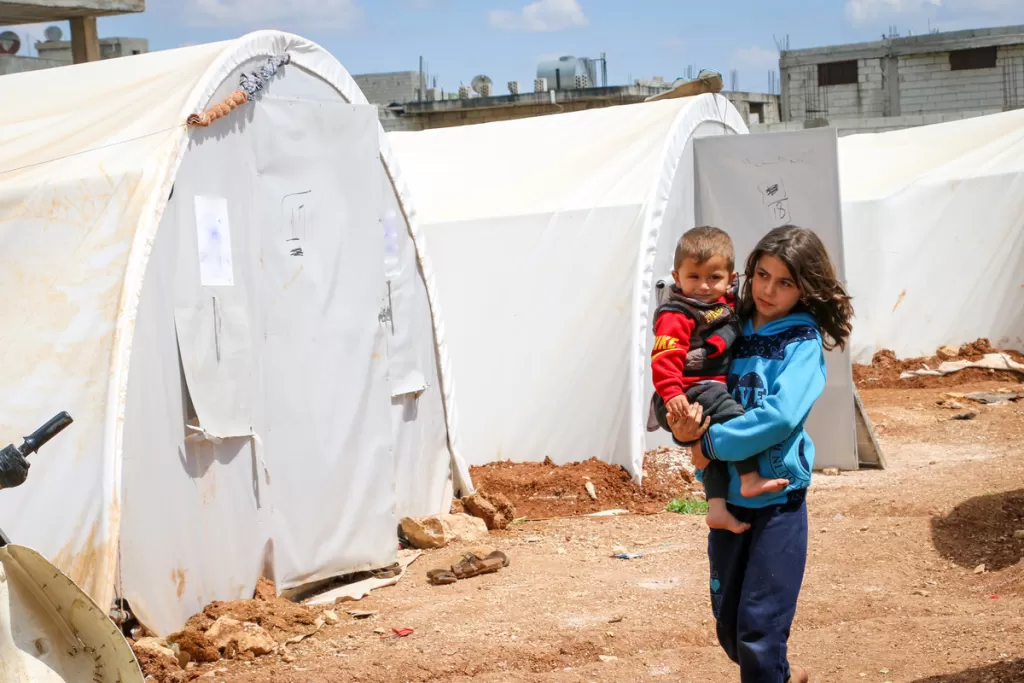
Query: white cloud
pixel 866 11
pixel 542 16
pixel 755 57
pixel 332 14
pixel 972 12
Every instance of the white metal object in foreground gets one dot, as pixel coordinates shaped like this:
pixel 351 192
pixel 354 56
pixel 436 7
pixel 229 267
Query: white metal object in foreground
pixel 51 631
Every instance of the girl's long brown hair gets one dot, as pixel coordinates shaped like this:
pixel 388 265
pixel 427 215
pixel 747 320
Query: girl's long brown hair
pixel 821 293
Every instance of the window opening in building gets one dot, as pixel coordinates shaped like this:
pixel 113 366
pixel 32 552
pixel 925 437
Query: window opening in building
pixel 975 58
pixel 838 73
pixel 757 111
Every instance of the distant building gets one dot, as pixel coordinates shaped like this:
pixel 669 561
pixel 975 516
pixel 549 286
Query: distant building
pixel 903 82
pixel 54 53
pixel 110 48
pixel 81 14
pixel 756 108
pixel 401 107
pixel 384 89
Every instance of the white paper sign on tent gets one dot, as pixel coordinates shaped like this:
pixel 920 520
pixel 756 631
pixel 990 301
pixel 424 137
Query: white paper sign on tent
pixel 213 230
pixel 749 184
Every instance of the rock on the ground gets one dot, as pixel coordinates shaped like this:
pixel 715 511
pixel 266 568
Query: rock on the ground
pixel 1019 533
pixel 437 531
pixel 948 352
pixel 495 509
pixel 831 472
pixel 265 590
pixel 331 617
pixel 154 647
pixel 233 636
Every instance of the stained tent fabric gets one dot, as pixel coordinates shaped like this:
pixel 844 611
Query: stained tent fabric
pixel 240 318
pixel 547 235
pixel 934 235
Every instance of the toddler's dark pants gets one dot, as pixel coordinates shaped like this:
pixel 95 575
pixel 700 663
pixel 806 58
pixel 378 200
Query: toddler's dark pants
pixel 755 583
pixel 720 406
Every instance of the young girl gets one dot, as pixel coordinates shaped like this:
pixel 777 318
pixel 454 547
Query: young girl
pixel 792 307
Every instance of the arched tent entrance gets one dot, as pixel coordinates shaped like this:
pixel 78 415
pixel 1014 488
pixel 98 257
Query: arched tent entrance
pixel 239 317
pixel 547 235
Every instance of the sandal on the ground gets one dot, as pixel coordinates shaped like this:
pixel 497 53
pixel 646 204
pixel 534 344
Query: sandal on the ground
pixel 498 555
pixel 441 577
pixel 471 566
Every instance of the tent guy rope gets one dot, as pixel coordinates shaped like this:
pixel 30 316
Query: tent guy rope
pixel 249 85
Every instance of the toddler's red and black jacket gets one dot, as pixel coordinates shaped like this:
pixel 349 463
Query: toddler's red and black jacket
pixel 691 342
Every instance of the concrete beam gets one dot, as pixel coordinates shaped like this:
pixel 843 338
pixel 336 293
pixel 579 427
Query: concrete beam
pixel 625 94
pixel 85 41
pixel 911 45
pixel 13 12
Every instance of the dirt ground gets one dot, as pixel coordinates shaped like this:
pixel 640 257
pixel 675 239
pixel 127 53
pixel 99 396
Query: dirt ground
pixel 895 589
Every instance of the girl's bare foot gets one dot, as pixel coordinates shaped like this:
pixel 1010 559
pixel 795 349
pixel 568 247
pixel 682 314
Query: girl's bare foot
pixel 798 675
pixel 753 485
pixel 719 517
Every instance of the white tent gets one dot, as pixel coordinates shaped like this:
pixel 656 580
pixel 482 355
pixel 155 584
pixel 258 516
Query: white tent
pixel 547 234
pixel 934 235
pixel 258 385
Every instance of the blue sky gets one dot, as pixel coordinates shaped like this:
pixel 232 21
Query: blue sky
pixel 506 38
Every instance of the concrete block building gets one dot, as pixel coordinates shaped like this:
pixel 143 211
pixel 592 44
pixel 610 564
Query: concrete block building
pixel 396 87
pixel 401 107
pixel 900 82
pixel 82 14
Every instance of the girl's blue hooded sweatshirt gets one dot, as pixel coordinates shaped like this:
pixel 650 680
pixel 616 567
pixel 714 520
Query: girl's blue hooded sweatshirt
pixel 777 373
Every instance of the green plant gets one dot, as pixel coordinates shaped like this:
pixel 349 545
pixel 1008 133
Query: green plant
pixel 688 506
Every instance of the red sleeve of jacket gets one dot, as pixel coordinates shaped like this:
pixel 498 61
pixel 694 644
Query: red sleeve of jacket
pixel 668 357
pixel 717 345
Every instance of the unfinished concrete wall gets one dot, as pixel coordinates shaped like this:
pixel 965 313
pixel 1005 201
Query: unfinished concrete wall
pixel 386 88
pixel 756 108
pixel 808 100
pixel 879 124
pixel 929 85
pixel 12 64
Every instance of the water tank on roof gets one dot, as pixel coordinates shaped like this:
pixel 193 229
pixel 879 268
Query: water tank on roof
pixel 568 73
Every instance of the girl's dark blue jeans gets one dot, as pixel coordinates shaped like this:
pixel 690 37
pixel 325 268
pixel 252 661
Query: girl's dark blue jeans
pixel 755 583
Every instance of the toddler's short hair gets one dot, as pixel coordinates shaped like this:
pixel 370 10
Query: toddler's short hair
pixel 702 243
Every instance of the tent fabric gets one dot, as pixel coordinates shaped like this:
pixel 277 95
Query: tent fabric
pixel 92 156
pixel 933 223
pixel 546 234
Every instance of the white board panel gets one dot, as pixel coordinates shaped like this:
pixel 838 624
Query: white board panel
pixel 749 184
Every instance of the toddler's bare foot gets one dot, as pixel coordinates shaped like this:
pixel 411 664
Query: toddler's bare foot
pixel 798 675
pixel 753 485
pixel 719 517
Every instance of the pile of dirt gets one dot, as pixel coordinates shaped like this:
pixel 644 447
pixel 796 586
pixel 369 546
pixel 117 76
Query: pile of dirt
pixel 281 619
pixel 160 669
pixel 885 369
pixel 541 490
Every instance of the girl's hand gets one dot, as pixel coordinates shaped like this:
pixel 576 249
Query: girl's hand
pixel 691 426
pixel 697 457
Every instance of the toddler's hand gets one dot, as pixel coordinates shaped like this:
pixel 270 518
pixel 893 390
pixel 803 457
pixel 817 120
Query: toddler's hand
pixel 677 407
